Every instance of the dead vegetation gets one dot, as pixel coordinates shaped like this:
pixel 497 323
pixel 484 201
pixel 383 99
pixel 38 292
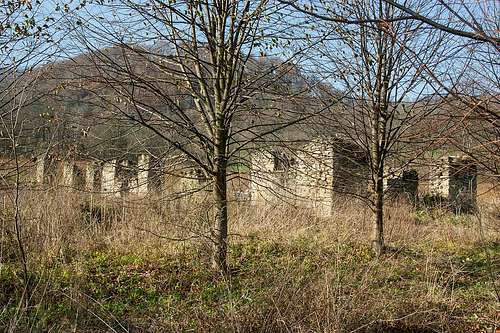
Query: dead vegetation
pixel 141 266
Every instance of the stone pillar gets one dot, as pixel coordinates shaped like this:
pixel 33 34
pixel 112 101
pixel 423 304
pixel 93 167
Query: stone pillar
pixel 142 174
pixel 68 173
pixel 124 179
pixel 455 179
pixel 40 169
pixel 79 180
pixel 90 175
pixel 93 176
pixel 156 180
pixel 108 183
pixel 463 184
pixel 439 179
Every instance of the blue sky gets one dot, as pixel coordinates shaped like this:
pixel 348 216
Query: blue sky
pixel 116 22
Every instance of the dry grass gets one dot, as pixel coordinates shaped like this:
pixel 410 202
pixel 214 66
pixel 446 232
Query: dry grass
pixel 143 268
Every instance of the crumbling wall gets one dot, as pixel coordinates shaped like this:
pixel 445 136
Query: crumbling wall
pixel 127 175
pixel 48 169
pixel 350 170
pixel 73 174
pixel 108 184
pixel 40 169
pixel 141 179
pixel 68 170
pixel 308 175
pixel 93 176
pixel 302 176
pixel 121 177
pixel 178 177
pixel 157 171
pixel 402 184
pixel 272 176
pixel 454 178
pixel 124 176
pixel 315 176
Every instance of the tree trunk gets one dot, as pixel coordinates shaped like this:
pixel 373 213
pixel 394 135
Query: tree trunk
pixel 220 229
pixel 378 217
pixel 220 197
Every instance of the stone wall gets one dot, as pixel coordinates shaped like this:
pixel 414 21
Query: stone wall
pixel 272 176
pixel 40 169
pixel 48 169
pixel 308 175
pixel 108 179
pixel 454 178
pixel 157 171
pixel 350 169
pixel 93 176
pixel 117 177
pixel 73 174
pixel 315 177
pixel 402 184
pixel 142 186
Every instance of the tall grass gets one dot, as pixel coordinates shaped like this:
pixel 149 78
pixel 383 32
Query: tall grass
pixel 141 265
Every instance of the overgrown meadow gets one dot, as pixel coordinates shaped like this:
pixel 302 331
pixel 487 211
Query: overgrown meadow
pixel 99 264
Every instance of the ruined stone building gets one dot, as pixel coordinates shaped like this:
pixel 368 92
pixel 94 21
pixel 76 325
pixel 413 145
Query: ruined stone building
pixel 454 178
pixel 315 174
pixel 128 175
pixel 308 175
pixel 402 184
pixel 133 174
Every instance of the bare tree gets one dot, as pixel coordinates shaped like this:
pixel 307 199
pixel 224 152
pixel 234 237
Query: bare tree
pixel 475 20
pixel 190 74
pixel 461 18
pixel 25 42
pixel 388 112
pixel 471 83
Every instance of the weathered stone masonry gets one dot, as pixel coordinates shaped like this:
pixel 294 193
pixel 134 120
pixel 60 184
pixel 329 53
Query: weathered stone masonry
pixel 307 176
pixel 112 177
pixel 310 175
pixel 402 184
pixel 454 178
